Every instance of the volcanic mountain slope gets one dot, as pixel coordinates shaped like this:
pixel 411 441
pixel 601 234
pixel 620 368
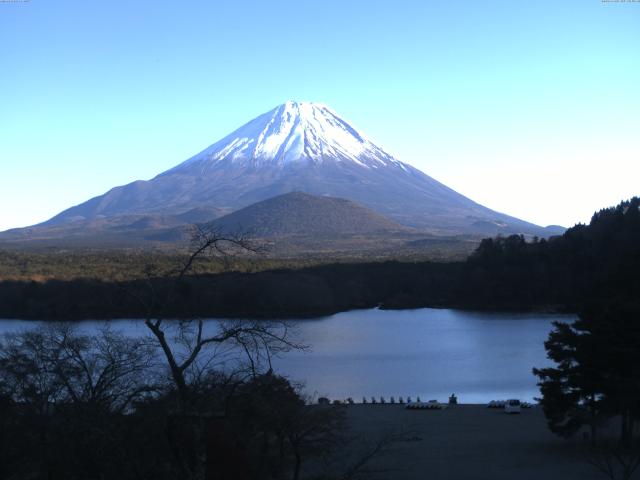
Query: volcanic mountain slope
pixel 116 230
pixel 302 147
pixel 301 214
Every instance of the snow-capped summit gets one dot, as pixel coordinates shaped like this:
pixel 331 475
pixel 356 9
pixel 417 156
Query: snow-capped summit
pixel 294 132
pixel 305 147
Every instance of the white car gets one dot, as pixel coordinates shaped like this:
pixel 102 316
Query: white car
pixel 512 406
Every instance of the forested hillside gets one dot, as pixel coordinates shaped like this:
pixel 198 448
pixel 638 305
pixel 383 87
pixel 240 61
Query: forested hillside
pixel 588 262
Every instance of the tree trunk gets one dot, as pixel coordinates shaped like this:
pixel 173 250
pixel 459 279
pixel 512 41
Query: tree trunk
pixel 298 464
pixel 176 371
pixel 625 432
pixel 281 441
pixel 594 421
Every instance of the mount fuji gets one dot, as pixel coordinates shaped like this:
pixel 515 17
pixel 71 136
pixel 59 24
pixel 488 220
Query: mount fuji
pixel 296 147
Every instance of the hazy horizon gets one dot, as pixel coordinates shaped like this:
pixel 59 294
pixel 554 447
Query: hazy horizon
pixel 528 109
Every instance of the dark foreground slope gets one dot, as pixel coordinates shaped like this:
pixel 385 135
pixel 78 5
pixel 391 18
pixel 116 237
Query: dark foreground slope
pixel 600 260
pixel 470 442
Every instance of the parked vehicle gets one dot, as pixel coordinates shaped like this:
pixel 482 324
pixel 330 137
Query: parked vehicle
pixel 512 406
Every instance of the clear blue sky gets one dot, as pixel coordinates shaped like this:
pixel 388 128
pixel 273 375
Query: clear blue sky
pixel 530 107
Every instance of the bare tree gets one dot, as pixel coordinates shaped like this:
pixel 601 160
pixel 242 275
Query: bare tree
pixel 211 241
pixel 198 353
pixel 183 342
pixel 616 461
pixel 28 369
pixel 70 394
pixel 57 365
pixel 107 371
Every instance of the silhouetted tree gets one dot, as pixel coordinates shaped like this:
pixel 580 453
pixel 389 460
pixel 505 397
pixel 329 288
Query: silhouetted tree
pixel 193 350
pixel 572 392
pixel 597 373
pixel 183 342
pixel 65 395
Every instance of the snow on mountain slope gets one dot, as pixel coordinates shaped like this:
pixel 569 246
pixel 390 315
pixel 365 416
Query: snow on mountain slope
pixel 306 147
pixel 293 132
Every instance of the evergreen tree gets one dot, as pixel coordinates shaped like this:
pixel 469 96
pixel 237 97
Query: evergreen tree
pixel 572 393
pixel 598 370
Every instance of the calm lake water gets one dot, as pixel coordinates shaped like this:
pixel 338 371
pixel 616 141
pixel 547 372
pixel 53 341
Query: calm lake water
pixel 427 352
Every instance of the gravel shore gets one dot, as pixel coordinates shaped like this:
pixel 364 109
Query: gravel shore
pixel 470 442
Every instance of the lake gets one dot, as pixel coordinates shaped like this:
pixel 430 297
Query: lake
pixel 426 352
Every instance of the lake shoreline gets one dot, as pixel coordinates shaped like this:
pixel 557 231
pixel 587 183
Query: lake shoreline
pixel 426 353
pixel 300 314
pixel 311 292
